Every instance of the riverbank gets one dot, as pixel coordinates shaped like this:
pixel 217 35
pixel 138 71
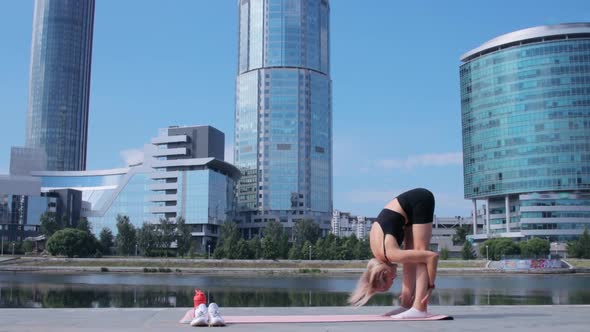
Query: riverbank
pixel 466 318
pixel 224 267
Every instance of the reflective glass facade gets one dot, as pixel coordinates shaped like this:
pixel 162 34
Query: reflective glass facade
pixel 206 199
pixel 283 142
pixel 526 119
pixel 130 200
pixel 20 215
pixel 59 85
pixel 526 128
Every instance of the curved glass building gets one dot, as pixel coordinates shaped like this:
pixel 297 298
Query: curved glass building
pixel 283 120
pixel 183 174
pixel 59 84
pixel 525 105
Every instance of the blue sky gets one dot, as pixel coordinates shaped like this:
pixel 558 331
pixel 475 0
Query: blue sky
pixel 394 66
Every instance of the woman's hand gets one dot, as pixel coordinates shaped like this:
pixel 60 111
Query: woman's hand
pixel 427 296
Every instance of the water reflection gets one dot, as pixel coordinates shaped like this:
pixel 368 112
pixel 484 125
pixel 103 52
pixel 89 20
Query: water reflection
pixel 25 290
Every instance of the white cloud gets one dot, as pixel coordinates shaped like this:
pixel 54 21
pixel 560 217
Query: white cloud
pixel 229 153
pixel 423 160
pixel 132 156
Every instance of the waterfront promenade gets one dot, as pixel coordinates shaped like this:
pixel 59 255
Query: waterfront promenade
pixel 252 267
pixel 467 318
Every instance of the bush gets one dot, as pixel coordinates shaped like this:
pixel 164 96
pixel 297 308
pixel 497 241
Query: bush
pixel 467 253
pixel 534 248
pixel 71 242
pixel 497 248
pixel 581 247
pixel 444 254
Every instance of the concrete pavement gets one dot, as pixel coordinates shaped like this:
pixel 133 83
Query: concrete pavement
pixel 467 318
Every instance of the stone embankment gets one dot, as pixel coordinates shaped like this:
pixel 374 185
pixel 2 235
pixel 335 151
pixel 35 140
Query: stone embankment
pixel 221 267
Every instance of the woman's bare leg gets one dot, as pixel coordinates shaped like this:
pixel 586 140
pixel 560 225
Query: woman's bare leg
pixel 408 279
pixel 422 233
pixel 409 274
pixel 422 237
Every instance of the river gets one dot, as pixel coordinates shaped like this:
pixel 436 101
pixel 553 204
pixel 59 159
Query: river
pixel 87 290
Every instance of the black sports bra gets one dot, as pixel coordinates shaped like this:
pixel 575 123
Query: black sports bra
pixel 391 223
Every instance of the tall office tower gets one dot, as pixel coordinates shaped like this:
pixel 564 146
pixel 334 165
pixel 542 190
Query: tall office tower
pixel 59 84
pixel 283 125
pixel 525 105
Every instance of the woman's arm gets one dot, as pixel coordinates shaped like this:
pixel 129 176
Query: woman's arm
pixel 417 256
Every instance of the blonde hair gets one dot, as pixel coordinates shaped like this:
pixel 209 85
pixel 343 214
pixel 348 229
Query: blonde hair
pixel 371 281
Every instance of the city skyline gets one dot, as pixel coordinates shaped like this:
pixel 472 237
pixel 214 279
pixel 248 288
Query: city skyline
pixel 162 74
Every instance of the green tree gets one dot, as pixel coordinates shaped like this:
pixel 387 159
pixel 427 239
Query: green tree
pixel 362 250
pixel 27 246
pixel 573 249
pixel 467 252
pixel 535 247
pixel 306 230
pixel 84 225
pixel 444 254
pixel 148 239
pixel 126 237
pixel 106 240
pixel 275 242
pixel 183 236
pixel 166 234
pixel 255 247
pixel 497 248
pixel 228 241
pixel 71 242
pixel 584 243
pixel 348 247
pixel 50 224
pixel 581 247
pixel 295 251
pixel 243 250
pixel 307 252
pixel 460 235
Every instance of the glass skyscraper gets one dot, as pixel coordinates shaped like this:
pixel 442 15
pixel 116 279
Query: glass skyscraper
pixel 525 104
pixel 283 120
pixel 59 85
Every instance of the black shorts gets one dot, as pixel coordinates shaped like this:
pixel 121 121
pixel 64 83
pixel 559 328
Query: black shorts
pixel 418 204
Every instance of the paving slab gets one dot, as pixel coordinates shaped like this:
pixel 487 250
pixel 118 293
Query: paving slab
pixel 467 318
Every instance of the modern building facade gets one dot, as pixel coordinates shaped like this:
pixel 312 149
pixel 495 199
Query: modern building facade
pixel 190 179
pixel 525 105
pixel 59 84
pixel 182 174
pixel 283 118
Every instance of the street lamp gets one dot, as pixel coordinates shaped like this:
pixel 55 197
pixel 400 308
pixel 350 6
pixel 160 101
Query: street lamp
pixel 209 251
pixel 487 256
pixel 310 252
pixel 13 248
pixel 136 249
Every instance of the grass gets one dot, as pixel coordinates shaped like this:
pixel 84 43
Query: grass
pixel 583 263
pixel 304 266
pixel 462 264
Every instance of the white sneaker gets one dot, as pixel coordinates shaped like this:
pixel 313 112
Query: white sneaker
pixel 215 318
pixel 200 316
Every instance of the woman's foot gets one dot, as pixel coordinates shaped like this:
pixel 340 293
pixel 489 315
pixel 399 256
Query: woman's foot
pixel 411 313
pixel 395 311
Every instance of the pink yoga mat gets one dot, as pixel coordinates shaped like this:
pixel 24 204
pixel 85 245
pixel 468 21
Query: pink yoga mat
pixel 312 318
pixel 323 319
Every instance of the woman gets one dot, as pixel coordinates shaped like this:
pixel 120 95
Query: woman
pixel 405 219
